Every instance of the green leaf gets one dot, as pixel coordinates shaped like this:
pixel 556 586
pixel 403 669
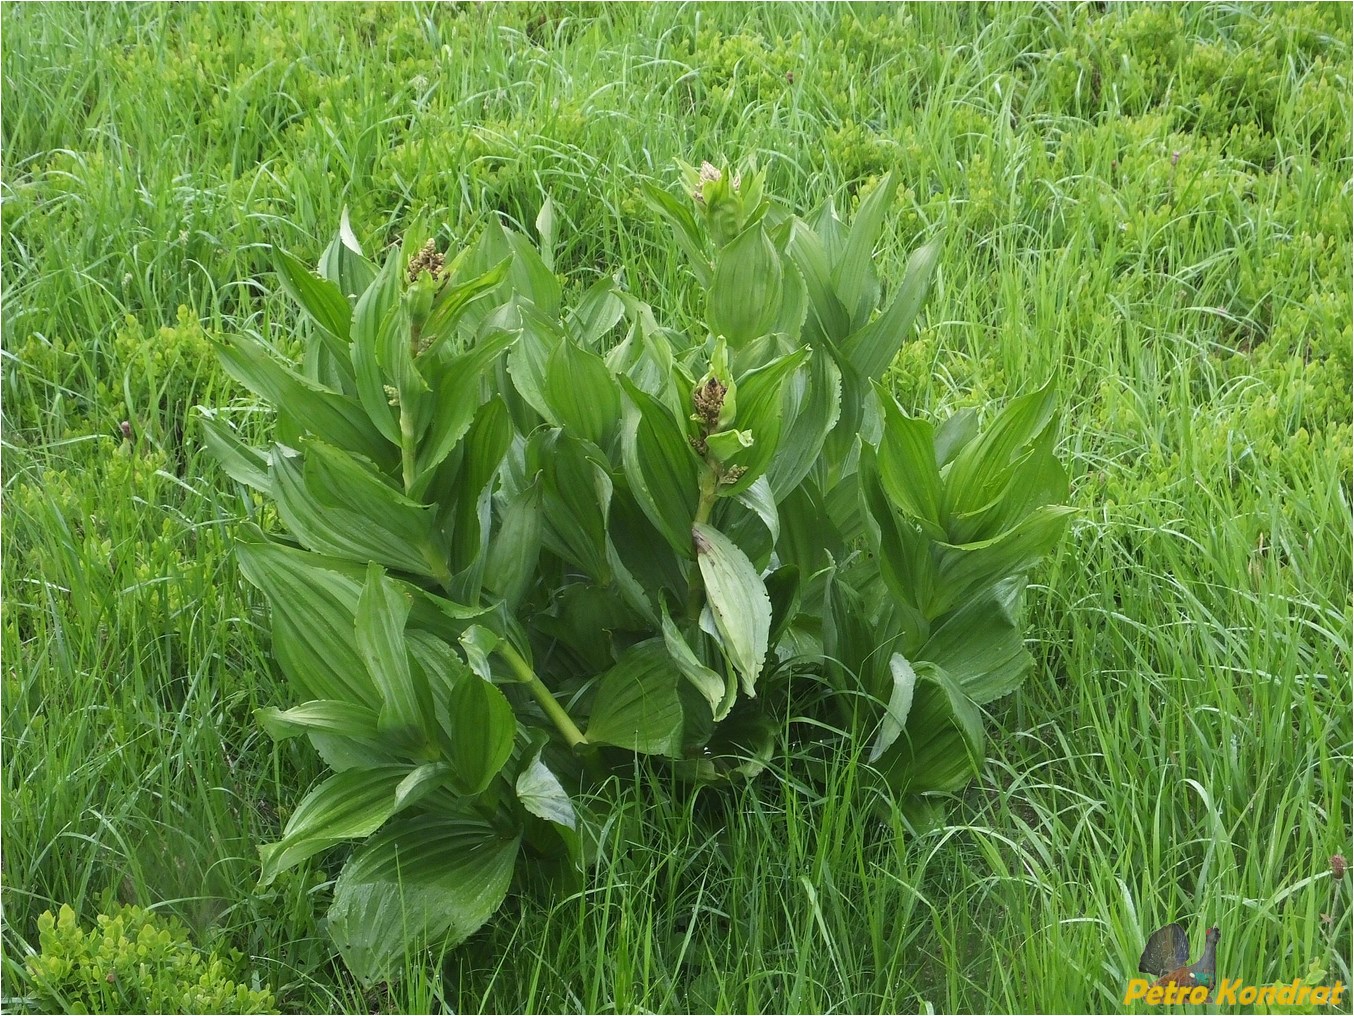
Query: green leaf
pixel 827 318
pixel 242 463
pixel 457 401
pixel 905 552
pixel 900 704
pixel 529 360
pixel 812 408
pixel 907 466
pixel 541 794
pixel 337 505
pixel 530 277
pixel 487 443
pixel 344 719
pixel 330 416
pixel 718 691
pixel 980 644
pixel 382 610
pixel 760 411
pixel 738 600
pixel 545 229
pixel 853 276
pixel 596 313
pixel 872 348
pixel 515 548
pixel 941 747
pixel 452 302
pixel 582 393
pixel 744 298
pixel 482 731
pixel 685 231
pixel 420 783
pixel 963 570
pixel 425 881
pixel 347 806
pixel 637 705
pixel 660 466
pixel 578 492
pixel 314 612
pixel 342 262
pixel 978 470
pixel 322 301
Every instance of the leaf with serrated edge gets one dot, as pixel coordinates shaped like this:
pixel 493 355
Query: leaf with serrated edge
pixel 738 600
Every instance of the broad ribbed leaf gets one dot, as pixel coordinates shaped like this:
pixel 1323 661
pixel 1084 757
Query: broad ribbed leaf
pixel 425 881
pixel 515 548
pixel 337 505
pixel 853 276
pixel 812 408
pixel 872 348
pixel 314 612
pixel 345 719
pixel 482 730
pixel 744 298
pixel 637 705
pixel 716 690
pixel 347 806
pixel 738 600
pixel 941 746
pixel 342 262
pixel 578 492
pixel 330 416
pixel 322 301
pixel 980 645
pixel 827 318
pixel 582 393
pixel 978 472
pixel 458 399
pixel 596 313
pixel 242 463
pixel 382 610
pixel 964 570
pixel 541 794
pixel 907 466
pixel 660 466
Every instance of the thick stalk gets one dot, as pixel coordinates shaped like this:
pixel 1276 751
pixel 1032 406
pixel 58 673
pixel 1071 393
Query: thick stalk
pixel 408 448
pixel 561 719
pixel 695 588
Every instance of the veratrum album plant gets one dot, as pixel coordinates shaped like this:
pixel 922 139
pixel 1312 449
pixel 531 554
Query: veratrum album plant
pixel 519 542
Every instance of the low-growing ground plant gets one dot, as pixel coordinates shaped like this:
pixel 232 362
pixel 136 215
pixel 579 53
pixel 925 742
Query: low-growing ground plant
pixel 516 543
pixel 133 961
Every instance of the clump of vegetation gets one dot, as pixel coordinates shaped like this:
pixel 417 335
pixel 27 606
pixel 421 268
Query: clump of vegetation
pixel 523 543
pixel 133 961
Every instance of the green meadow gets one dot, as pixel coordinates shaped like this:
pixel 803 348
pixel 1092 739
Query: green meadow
pixel 1149 205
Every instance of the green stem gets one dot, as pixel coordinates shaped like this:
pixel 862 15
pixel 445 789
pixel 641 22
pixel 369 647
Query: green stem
pixel 541 693
pixel 709 491
pixel 407 448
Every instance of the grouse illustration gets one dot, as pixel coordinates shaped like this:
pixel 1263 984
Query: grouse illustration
pixel 1167 954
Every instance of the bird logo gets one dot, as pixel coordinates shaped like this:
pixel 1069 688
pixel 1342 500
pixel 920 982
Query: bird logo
pixel 1167 955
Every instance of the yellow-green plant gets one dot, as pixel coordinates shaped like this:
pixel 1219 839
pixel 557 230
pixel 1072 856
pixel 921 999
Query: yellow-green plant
pixel 132 961
pixel 522 541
